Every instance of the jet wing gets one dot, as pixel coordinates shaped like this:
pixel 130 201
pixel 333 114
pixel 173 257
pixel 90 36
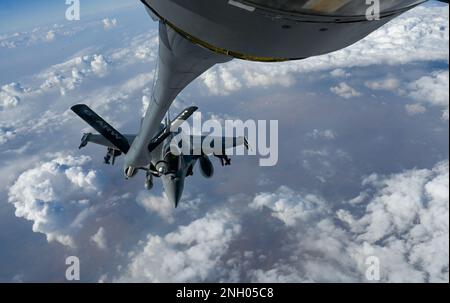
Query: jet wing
pixel 100 140
pixel 104 128
pixel 209 145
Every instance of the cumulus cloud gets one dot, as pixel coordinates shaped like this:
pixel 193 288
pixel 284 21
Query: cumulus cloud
pixel 6 134
pixel 99 238
pixel 289 207
pixel 429 90
pixel 415 109
pixel 220 81
pixel 62 76
pixel 8 101
pixel 142 48
pixel 42 34
pixel 109 23
pixel 404 224
pixel 156 204
pixel 389 84
pixel 432 90
pixel 339 72
pixel 445 115
pixel 10 95
pixel 14 88
pixel 225 80
pixel 192 253
pixel 70 74
pixel 145 51
pixel 50 36
pixel 401 219
pixel 55 196
pixel 255 79
pixel 99 65
pixel 345 91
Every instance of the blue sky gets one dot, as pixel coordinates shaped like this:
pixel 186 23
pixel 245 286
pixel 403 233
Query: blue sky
pixel 20 14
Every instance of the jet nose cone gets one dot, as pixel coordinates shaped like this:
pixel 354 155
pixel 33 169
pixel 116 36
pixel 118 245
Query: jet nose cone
pixel 174 188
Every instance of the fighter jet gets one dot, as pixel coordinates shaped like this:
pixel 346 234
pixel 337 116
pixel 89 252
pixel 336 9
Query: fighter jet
pixel 166 153
pixel 195 35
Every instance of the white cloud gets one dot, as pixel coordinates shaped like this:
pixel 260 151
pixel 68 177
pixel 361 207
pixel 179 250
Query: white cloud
pixel 345 91
pixel 288 206
pixel 10 95
pixel 14 88
pixel 99 239
pixel 142 48
pixel 415 109
pixel 145 51
pixel 8 101
pixel 405 224
pixel 220 81
pixel 99 65
pixel 389 84
pixel 42 34
pixel 6 134
pixel 55 196
pixel 339 73
pixel 256 79
pixel 80 178
pixel 410 212
pixel 429 90
pixel 50 36
pixel 109 23
pixel 225 80
pixel 70 74
pixel 445 115
pixel 190 254
pixel 327 134
pixel 155 204
pixel 433 89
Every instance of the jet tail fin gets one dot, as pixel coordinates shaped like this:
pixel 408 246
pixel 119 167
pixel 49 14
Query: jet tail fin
pixel 100 125
pixel 173 125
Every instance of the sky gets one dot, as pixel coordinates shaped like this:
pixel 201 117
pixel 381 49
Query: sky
pixel 362 171
pixel 17 15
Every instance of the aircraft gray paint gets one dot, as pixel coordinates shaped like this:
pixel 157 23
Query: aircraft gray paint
pixel 195 35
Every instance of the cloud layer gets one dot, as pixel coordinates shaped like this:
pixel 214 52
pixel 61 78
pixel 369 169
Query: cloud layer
pixel 56 197
pixel 401 219
pixel 191 253
pixel 404 223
